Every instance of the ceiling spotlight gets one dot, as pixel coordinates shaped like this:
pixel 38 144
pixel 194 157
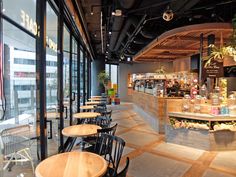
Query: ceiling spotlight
pixel 213 15
pixel 128 59
pixel 108 45
pixel 117 13
pixel 168 15
pixel 3 10
pixel 109 33
pixel 95 35
pixel 106 51
pixel 105 56
pixel 91 10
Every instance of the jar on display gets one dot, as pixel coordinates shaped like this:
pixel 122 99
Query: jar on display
pixel 232 104
pixel 186 103
pixel 197 103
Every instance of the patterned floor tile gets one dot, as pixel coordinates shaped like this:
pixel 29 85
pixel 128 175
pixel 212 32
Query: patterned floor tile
pixel 180 151
pixel 148 165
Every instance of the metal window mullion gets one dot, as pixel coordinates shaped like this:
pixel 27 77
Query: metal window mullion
pixel 70 79
pixel 60 72
pixel 78 77
pixel 84 77
pixel 41 76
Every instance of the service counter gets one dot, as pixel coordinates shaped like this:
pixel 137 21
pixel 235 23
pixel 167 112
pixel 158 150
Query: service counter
pixel 202 131
pixel 155 109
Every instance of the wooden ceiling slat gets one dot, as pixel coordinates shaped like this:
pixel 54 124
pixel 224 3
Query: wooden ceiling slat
pixel 184 40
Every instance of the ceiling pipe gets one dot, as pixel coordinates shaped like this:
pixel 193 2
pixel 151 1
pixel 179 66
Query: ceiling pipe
pixel 118 23
pixel 147 34
pixel 131 21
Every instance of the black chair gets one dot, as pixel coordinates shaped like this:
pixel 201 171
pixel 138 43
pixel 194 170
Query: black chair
pixel 107 114
pixel 93 140
pixel 123 173
pixel 111 147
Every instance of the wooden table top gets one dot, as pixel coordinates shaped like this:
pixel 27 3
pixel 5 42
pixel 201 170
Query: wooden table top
pixel 80 130
pixel 92 102
pixel 85 115
pixel 87 107
pixel 96 99
pixel 72 164
pixel 96 96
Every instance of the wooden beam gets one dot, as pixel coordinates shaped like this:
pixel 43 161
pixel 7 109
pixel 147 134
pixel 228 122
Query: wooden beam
pixel 213 28
pixel 190 38
pixel 158 54
pixel 171 49
pixel 154 60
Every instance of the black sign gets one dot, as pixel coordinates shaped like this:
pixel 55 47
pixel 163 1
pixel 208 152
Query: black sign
pixel 214 69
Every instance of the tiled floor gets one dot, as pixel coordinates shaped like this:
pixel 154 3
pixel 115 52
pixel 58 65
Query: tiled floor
pixel 152 157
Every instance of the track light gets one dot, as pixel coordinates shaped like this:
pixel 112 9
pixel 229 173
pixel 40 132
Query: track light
pixel 109 33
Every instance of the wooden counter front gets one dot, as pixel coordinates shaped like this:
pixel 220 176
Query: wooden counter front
pixel 157 107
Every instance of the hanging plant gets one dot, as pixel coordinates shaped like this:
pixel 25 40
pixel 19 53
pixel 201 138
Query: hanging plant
pixel 218 54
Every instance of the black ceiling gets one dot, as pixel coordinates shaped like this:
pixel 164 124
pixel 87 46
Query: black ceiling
pixel 141 22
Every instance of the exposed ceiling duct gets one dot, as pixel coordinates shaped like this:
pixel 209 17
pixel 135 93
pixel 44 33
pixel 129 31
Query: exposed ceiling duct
pixel 147 34
pixel 130 23
pixel 118 23
pixel 116 27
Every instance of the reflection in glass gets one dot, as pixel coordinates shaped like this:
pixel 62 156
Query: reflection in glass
pixel 81 76
pixel 51 81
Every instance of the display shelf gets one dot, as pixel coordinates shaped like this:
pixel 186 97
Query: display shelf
pixel 203 117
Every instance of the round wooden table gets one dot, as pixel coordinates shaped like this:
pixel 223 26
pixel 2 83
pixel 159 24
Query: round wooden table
pixel 96 99
pixel 86 115
pixel 72 164
pixel 80 130
pixel 96 96
pixel 87 107
pixel 92 102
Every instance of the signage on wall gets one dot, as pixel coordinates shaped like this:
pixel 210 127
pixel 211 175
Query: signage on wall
pixel 31 25
pixel 28 22
pixel 213 69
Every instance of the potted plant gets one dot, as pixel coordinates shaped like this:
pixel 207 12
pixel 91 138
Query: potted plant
pixel 217 53
pixel 104 79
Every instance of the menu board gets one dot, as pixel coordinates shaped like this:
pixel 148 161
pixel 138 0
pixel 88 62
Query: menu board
pixel 213 69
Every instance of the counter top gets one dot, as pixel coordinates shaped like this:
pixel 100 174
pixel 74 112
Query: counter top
pixel 158 96
pixel 200 116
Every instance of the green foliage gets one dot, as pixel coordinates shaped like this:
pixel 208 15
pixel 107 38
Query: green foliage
pixel 103 78
pixel 217 54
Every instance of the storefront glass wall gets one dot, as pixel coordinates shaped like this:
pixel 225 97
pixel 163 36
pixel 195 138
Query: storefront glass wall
pixel 18 64
pixel 81 76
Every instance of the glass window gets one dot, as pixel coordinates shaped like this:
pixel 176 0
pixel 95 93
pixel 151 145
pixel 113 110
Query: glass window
pixel 113 74
pixel 86 75
pixel 74 75
pixel 23 12
pixel 51 79
pixel 19 85
pixel 66 76
pixel 81 76
pixel 107 69
pixel 18 46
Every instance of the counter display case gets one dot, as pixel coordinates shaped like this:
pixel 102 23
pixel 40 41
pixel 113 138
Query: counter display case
pixel 203 131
